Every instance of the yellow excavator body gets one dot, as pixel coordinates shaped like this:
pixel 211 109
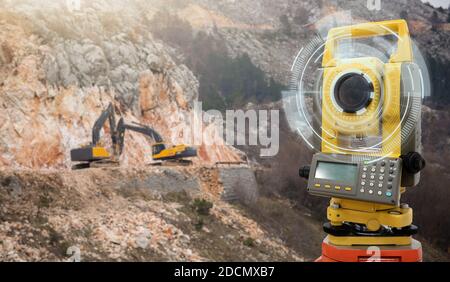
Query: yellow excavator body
pixel 175 152
pixel 89 153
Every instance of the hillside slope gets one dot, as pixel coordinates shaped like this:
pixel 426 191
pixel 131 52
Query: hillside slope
pixel 141 214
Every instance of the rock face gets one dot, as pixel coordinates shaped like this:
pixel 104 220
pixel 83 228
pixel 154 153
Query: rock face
pixel 239 184
pixel 57 75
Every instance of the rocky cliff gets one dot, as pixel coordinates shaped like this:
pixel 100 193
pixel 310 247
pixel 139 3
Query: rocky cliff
pixel 59 70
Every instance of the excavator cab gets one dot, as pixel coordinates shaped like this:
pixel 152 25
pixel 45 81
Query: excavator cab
pixel 158 148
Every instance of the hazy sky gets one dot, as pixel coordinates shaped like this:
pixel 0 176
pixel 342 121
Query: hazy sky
pixel 437 3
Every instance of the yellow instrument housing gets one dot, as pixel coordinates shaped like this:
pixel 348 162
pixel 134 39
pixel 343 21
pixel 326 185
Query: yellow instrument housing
pixel 398 27
pixel 386 79
pixel 369 241
pixel 370 214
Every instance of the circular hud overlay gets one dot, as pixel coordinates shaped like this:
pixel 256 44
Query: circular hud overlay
pixel 351 101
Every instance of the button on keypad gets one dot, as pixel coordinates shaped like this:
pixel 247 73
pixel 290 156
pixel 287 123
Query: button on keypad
pixel 377 180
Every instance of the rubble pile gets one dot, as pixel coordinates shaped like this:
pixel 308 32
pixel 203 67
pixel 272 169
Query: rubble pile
pixel 122 215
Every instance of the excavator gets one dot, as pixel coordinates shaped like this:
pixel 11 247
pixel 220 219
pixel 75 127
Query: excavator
pixel 95 155
pixel 160 151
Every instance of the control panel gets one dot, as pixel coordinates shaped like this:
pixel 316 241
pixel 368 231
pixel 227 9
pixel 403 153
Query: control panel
pixel 369 179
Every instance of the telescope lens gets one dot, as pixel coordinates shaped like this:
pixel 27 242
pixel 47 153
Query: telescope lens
pixel 353 92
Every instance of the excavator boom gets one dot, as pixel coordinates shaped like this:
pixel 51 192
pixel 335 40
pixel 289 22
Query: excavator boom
pixel 159 150
pixel 98 125
pixel 94 152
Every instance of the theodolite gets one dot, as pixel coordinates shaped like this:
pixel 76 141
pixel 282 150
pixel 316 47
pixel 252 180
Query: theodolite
pixel 370 147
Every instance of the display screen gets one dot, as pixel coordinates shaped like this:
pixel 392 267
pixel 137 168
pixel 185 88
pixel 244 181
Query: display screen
pixel 340 172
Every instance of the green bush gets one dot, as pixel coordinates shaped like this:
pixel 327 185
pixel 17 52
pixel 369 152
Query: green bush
pixel 199 224
pixel 249 242
pixel 202 206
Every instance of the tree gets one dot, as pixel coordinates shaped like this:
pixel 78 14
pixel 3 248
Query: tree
pixel 301 16
pixel 434 18
pixel 285 25
pixel 448 16
pixel 171 29
pixel 404 15
pixel 319 3
pixel 225 82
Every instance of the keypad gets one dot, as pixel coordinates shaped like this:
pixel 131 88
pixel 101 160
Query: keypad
pixel 378 180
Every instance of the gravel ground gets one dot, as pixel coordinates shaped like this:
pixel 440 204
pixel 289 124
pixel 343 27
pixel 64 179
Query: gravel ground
pixel 146 214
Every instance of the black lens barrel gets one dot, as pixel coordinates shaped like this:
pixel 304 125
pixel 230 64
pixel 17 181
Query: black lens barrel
pixel 353 92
